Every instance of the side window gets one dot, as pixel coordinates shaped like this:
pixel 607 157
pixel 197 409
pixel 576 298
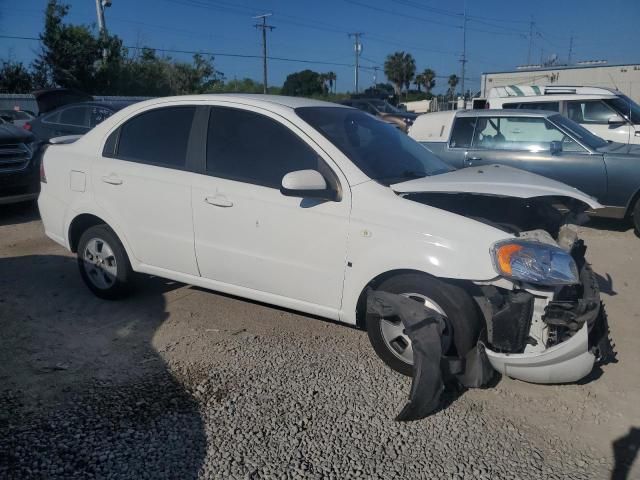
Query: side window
pixel 532 134
pixel 98 115
pixel 551 106
pixel 462 132
pixel 76 116
pixel 589 111
pixel 159 137
pixel 251 148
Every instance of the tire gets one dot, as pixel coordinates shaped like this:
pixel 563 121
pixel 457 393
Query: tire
pixel 104 264
pixel 462 318
pixel 636 217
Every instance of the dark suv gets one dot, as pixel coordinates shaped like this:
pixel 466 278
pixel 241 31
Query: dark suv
pixel 383 110
pixel 19 166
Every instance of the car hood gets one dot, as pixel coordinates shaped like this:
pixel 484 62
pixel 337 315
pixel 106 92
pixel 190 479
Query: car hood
pixel 497 180
pixel 11 134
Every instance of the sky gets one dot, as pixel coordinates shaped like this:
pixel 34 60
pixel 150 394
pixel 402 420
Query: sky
pixel 497 33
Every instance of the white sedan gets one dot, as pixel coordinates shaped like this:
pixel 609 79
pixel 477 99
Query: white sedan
pixel 308 205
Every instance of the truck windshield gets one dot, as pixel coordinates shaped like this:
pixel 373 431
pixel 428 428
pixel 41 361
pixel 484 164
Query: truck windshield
pixel 578 132
pixel 625 107
pixel 380 150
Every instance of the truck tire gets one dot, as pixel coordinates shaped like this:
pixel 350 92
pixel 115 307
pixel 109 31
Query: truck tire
pixel 460 311
pixel 104 264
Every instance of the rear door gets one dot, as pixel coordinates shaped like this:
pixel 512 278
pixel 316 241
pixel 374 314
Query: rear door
pixel 524 142
pixel 250 235
pixel 142 180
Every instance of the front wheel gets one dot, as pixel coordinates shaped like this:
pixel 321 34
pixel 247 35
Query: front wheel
pixel 104 264
pixel 462 322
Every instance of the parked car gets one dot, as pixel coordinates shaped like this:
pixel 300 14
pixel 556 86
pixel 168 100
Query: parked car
pixel 19 167
pixel 17 117
pixel 307 205
pixel 541 142
pixel 384 110
pixel 607 113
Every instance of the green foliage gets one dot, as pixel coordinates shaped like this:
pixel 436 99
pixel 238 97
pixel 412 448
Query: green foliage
pixel 304 84
pixel 426 79
pixel 453 83
pixel 400 69
pixel 15 78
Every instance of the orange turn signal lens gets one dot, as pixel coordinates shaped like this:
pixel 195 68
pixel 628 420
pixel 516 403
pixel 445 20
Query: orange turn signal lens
pixel 503 255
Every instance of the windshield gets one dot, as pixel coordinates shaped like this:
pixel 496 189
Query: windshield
pixel 384 107
pixel 625 107
pixel 380 150
pixel 578 132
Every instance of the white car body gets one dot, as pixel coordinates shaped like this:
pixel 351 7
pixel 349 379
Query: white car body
pixel 254 242
pixel 575 103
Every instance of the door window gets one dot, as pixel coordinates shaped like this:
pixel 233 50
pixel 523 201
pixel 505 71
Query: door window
pixel 532 134
pixel 590 111
pixel 76 116
pixel 551 106
pixel 462 132
pixel 251 148
pixel 159 137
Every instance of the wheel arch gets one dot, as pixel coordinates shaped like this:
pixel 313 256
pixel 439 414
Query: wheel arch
pixel 632 203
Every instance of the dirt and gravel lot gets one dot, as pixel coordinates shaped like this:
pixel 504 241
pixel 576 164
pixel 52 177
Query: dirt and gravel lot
pixel 177 382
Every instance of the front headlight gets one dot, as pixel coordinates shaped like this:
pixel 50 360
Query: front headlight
pixel 534 262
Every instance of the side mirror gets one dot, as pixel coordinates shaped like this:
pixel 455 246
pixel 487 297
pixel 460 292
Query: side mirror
pixel 307 184
pixel 615 120
pixel 555 147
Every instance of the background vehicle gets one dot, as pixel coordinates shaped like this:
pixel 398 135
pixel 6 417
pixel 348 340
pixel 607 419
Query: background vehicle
pixel 17 117
pixel 607 113
pixel 19 167
pixel 72 119
pixel 542 142
pixel 307 205
pixel 384 110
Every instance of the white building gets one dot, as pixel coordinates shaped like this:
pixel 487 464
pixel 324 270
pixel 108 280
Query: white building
pixel 625 78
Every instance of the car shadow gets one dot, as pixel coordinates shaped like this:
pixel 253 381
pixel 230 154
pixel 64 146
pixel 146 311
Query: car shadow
pixel 613 224
pixel 625 451
pixel 17 213
pixel 83 391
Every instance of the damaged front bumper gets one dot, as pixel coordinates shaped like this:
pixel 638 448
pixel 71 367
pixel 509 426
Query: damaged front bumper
pixel 556 337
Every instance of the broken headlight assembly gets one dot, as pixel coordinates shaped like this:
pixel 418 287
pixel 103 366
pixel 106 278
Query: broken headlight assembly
pixel 534 262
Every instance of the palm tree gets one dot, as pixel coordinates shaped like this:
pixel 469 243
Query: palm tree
pixel 429 80
pixel 419 81
pixel 453 83
pixel 400 68
pixel 331 78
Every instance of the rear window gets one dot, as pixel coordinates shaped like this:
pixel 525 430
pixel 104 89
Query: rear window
pixel 159 137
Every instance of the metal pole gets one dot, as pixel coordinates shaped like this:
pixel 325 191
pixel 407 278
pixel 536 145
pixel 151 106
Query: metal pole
pixel 570 50
pixel 530 40
pixel 358 49
pixel 464 52
pixel 102 29
pixel 263 26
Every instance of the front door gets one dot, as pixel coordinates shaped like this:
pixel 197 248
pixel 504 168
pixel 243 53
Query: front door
pixel 524 142
pixel 246 232
pixel 594 115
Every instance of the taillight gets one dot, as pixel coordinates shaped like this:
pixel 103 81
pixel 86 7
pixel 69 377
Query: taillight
pixel 27 126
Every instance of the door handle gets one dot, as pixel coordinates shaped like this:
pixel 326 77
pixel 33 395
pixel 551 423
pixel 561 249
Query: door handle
pixel 112 179
pixel 219 201
pixel 469 161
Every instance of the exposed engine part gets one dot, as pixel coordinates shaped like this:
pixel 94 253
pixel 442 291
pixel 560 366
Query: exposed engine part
pixel 431 370
pixel 509 319
pixel 512 215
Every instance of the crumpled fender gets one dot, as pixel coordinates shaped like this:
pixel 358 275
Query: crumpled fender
pixel 431 369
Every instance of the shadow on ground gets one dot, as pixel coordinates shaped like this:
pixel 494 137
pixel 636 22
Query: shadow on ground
pixel 17 213
pixel 83 393
pixel 625 451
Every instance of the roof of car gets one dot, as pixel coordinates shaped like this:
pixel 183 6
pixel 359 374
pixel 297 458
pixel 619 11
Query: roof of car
pixel 251 98
pixel 505 113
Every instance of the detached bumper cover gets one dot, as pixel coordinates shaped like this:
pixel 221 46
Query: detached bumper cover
pixel 574 358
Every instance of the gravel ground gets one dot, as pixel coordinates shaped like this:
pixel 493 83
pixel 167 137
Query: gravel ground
pixel 177 382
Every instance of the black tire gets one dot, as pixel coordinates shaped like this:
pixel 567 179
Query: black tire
pixel 103 280
pixel 457 305
pixel 636 217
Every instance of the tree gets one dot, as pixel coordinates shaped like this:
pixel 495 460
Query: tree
pixel 400 68
pixel 15 78
pixel 303 84
pixel 419 81
pixel 428 77
pixel 331 78
pixel 453 83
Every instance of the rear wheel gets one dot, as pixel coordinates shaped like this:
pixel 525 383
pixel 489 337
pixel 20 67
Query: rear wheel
pixel 462 322
pixel 104 264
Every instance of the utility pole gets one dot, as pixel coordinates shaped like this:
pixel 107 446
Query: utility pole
pixel 570 50
pixel 375 76
pixel 531 25
pixel 263 26
pixel 358 50
pixel 463 60
pixel 102 28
